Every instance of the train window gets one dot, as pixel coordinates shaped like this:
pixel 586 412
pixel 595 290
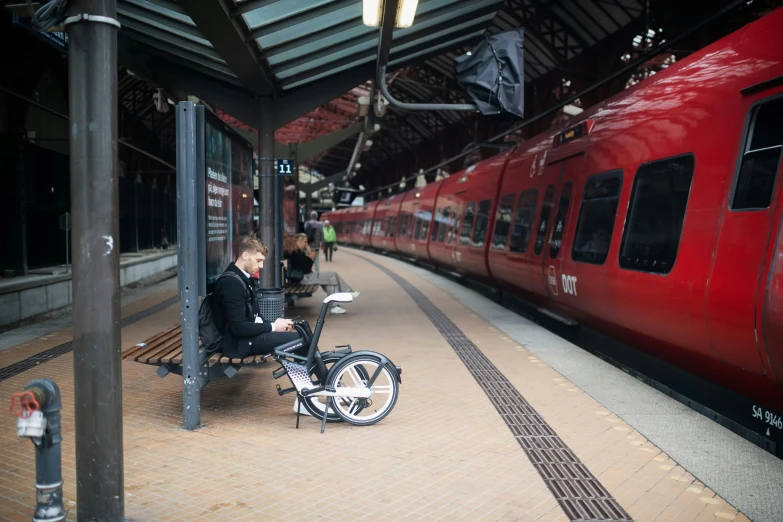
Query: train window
pixel 444 225
pixel 482 221
pixel 425 224
pixel 503 222
pixel 596 217
pixel 403 223
pixel 546 210
pixel 560 220
pixel 523 221
pixel 467 223
pixel 436 224
pixel 760 158
pixel 417 235
pixel 392 226
pixel 656 214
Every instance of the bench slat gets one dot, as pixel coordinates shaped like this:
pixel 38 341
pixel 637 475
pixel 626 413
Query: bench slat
pixel 302 289
pixel 174 352
pixel 152 342
pixel 156 347
pixel 152 356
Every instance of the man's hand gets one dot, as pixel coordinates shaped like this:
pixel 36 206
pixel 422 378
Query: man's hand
pixel 283 325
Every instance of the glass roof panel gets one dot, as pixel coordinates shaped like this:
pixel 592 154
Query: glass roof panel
pixel 304 50
pixel 156 8
pixel 160 24
pixel 400 33
pixel 329 73
pixel 352 12
pixel 280 10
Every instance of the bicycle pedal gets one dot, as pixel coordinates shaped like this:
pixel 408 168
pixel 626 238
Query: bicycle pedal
pixel 287 390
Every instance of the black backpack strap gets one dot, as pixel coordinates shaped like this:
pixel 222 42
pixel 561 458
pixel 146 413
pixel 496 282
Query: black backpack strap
pixel 248 298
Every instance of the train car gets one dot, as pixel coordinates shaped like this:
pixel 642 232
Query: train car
pixel 384 226
pixel 474 193
pixel 416 217
pixel 654 218
pixel 358 224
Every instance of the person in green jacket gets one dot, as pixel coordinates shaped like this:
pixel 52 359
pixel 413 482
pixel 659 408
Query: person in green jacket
pixel 330 240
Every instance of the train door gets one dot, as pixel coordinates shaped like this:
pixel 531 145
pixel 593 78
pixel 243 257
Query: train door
pixel 743 243
pixel 558 284
pixel 769 319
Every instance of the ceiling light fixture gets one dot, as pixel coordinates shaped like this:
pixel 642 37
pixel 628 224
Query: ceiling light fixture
pixel 372 13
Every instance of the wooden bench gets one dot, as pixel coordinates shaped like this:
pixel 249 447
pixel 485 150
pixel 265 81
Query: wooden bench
pixel 164 350
pixel 294 291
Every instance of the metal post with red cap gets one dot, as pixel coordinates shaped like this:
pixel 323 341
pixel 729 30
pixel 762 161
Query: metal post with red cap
pixel 38 408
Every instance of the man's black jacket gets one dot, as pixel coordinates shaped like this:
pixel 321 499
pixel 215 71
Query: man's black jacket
pixel 234 309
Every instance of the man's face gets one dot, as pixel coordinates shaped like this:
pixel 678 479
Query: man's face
pixel 253 261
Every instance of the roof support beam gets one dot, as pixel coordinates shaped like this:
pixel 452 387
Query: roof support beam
pixel 227 35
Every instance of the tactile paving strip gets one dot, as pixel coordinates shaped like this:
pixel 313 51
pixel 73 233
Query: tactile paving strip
pixel 62 349
pixel 579 493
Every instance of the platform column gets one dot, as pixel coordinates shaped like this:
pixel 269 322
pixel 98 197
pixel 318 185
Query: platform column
pixel 92 76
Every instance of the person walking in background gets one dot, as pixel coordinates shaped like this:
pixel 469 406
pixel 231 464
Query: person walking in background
pixel 330 240
pixel 315 238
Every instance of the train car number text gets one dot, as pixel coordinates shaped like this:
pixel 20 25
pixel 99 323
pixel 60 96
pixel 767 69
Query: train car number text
pixel 770 418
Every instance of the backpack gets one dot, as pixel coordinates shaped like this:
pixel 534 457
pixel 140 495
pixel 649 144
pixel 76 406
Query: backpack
pixel 310 231
pixel 208 333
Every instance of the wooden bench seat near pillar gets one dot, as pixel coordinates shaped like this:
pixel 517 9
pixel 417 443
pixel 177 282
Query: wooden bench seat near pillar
pixel 300 290
pixel 164 350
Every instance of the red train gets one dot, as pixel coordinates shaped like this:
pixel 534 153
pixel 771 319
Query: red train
pixel 654 218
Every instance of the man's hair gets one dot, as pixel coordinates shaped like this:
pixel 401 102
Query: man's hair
pixel 313 215
pixel 252 244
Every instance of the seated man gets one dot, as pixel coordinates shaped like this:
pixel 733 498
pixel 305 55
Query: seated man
pixel 235 307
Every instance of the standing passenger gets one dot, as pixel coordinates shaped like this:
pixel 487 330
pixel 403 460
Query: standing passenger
pixel 315 238
pixel 330 240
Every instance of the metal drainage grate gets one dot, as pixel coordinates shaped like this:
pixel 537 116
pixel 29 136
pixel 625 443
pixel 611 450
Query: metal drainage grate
pixel 62 349
pixel 579 493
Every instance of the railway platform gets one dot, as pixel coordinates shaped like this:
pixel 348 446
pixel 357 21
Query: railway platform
pixel 497 419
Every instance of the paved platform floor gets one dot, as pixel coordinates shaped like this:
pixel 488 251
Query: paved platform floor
pixel 444 453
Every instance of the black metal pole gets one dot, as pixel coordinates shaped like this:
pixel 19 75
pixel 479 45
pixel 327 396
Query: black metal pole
pixel 92 74
pixel 266 185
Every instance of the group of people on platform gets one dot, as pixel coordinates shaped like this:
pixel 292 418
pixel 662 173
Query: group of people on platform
pixel 235 303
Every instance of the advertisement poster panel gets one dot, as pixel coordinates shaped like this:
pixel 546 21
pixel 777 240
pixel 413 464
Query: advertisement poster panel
pixel 229 194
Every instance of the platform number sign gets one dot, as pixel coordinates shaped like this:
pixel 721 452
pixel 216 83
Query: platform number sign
pixel 285 167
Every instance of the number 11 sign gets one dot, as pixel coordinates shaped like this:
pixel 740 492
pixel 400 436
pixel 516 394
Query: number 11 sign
pixel 285 167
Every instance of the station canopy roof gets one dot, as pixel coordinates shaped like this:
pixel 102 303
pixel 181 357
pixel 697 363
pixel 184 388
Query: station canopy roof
pixel 276 47
pixel 316 56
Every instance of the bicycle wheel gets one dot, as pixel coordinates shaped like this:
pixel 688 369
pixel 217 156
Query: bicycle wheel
pixel 316 406
pixel 355 372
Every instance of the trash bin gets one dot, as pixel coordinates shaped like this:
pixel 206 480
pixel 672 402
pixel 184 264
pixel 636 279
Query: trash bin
pixel 271 304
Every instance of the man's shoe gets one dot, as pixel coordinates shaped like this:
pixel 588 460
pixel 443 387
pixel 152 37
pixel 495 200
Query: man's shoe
pixel 337 310
pixel 354 294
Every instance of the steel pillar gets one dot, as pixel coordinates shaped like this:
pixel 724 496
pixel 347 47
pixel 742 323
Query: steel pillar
pixel 189 166
pixel 266 188
pixel 92 80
